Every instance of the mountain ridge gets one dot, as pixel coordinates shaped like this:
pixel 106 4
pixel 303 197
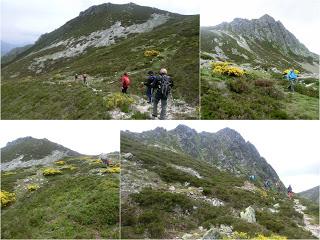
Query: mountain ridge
pixel 225 149
pixel 256 41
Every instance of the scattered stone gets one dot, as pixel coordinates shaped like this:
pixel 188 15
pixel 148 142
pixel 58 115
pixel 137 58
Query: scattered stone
pixel 128 156
pixel 249 215
pixel 172 188
pixel 212 234
pixel 277 205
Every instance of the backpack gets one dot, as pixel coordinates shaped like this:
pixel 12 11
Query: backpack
pixel 165 85
pixel 125 81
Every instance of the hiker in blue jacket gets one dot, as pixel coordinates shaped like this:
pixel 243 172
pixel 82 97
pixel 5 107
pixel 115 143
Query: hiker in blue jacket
pixel 291 76
pixel 150 79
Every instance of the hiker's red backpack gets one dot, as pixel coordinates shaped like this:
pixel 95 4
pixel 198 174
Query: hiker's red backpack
pixel 125 81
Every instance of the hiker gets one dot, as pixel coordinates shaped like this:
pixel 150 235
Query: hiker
pixel 125 82
pixel 252 177
pixel 290 193
pixel 148 83
pixel 267 184
pixel 84 77
pixel 163 85
pixel 76 77
pixel 291 76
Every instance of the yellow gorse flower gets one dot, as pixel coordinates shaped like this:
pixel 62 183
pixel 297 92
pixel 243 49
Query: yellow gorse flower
pixel 225 68
pixel 151 53
pixel 51 171
pixel 33 187
pixel 7 198
pixel 60 162
pixel 111 170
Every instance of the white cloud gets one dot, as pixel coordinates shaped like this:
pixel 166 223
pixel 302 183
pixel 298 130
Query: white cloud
pixel 299 17
pixel 25 21
pixel 87 137
pixel 290 147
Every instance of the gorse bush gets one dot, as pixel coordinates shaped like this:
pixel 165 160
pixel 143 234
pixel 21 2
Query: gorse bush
pixel 151 53
pixel 119 100
pixel 32 187
pixel 60 162
pixel 111 170
pixel 225 68
pixel 51 172
pixel 288 70
pixel 7 198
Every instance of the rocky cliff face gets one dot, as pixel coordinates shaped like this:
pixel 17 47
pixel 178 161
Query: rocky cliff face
pixel 264 42
pixel 225 149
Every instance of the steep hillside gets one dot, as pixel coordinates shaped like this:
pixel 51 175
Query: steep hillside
pixel 167 194
pixel 225 149
pixel 68 197
pixel 262 42
pixel 13 54
pixel 104 41
pixel 242 65
pixel 311 194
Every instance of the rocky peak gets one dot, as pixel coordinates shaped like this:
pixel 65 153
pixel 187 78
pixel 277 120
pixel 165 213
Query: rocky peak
pixel 267 18
pixel 184 130
pixel 230 135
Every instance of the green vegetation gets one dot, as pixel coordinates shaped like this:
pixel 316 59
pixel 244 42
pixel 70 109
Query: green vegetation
pixel 53 94
pixel 256 96
pixel 74 204
pixel 157 213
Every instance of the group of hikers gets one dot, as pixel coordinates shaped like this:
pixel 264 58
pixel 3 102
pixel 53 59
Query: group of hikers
pixel 268 186
pixel 158 89
pixel 83 76
pixel 291 76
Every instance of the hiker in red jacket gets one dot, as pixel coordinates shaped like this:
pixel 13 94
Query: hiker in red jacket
pixel 125 82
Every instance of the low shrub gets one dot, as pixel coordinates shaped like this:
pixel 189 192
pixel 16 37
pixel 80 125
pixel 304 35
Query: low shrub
pixel 111 170
pixel 151 53
pixel 33 187
pixel 7 198
pixel 51 172
pixel 263 83
pixel 60 162
pixel 238 85
pixel 224 68
pixel 118 100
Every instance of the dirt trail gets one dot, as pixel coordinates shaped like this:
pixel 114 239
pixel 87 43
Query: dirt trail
pixel 313 228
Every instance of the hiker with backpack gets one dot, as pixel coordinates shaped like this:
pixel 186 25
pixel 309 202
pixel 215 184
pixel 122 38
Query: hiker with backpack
pixel 84 77
pixel 291 76
pixel 162 85
pixel 125 83
pixel 290 193
pixel 148 83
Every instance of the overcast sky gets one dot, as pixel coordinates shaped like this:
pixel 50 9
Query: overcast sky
pixel 24 21
pixel 86 137
pixel 290 147
pixel 301 18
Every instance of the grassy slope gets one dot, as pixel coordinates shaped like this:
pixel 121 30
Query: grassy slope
pixel 157 213
pixel 29 98
pixel 72 205
pixel 226 97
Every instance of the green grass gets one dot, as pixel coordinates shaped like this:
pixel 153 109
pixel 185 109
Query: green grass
pixel 27 97
pixel 71 205
pixel 156 213
pixel 256 96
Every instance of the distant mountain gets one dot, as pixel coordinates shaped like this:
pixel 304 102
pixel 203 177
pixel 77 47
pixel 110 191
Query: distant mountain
pixel 6 47
pixel 13 53
pixel 225 149
pixel 29 151
pixel 262 42
pixel 311 194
